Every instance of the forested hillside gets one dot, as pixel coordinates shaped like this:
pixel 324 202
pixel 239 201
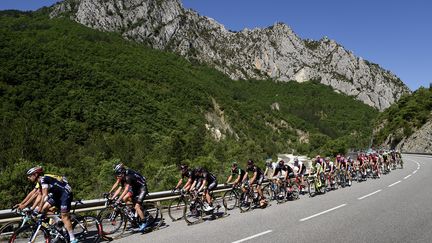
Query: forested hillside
pixel 76 101
pixel 404 117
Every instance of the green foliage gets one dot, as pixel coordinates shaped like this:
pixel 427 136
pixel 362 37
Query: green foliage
pixel 77 101
pixel 404 117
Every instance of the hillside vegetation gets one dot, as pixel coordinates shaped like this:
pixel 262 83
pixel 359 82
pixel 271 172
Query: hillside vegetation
pixel 77 101
pixel 404 117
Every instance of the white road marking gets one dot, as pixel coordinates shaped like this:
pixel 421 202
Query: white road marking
pixel 323 212
pixel 406 177
pixel 370 194
pixel 415 172
pixel 394 183
pixel 253 236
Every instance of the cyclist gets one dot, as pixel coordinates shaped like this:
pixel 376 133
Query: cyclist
pixel 134 189
pixel 185 173
pixel 283 169
pixel 269 168
pixel 257 179
pixel 301 171
pixel 54 193
pixel 345 169
pixel 35 195
pixel 239 173
pixel 316 169
pixel 208 184
pixel 329 169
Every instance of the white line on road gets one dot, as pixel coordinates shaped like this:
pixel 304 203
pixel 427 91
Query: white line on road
pixel 370 194
pixel 253 236
pixel 406 177
pixel 323 212
pixel 394 183
pixel 414 171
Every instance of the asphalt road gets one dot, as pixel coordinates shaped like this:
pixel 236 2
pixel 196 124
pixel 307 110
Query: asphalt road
pixel 395 208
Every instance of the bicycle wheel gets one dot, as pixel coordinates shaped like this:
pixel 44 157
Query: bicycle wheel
pixel 87 229
pixel 295 193
pixel 176 209
pixel 267 192
pixel 26 232
pixel 280 194
pixel 152 214
pixel 342 180
pixel 311 188
pixel 8 229
pixel 218 204
pixel 113 222
pixel 193 212
pixel 245 202
pixel 230 199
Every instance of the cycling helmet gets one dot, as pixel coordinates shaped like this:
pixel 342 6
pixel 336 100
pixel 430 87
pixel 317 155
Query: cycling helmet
pixel 296 159
pixel 35 170
pixel 197 171
pixel 250 162
pixel 327 159
pixel 119 169
pixel 184 167
pixel 281 162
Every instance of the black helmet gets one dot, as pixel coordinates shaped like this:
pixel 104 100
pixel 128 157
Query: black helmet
pixel 281 162
pixel 184 167
pixel 119 169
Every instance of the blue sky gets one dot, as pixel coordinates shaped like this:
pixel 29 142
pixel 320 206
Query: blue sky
pixel 396 34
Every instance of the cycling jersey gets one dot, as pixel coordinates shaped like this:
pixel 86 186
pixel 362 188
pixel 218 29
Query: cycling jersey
pixel 284 167
pixel 209 177
pixel 301 167
pixel 317 168
pixel 59 178
pixel 238 172
pixel 259 174
pixel 133 178
pixel 60 193
pixel 138 186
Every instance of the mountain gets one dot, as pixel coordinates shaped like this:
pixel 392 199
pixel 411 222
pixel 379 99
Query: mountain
pixel 275 52
pixel 77 100
pixel 407 124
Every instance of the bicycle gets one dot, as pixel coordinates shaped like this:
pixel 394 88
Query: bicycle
pixel 293 188
pixel 232 197
pixel 315 186
pixel 85 229
pixel 115 217
pixel 8 229
pixel 251 197
pixel 194 210
pixel 332 181
pixel 176 206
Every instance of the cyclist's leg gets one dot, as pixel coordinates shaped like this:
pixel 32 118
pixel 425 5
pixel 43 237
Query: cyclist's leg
pixel 138 196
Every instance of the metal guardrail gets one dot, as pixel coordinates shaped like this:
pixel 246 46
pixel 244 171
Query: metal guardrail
pixel 96 204
pixel 428 154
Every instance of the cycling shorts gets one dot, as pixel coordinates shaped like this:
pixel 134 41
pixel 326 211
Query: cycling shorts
pixel 212 186
pixel 63 201
pixel 259 180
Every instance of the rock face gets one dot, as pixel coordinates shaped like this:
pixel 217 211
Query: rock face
pixel 274 53
pixel 420 141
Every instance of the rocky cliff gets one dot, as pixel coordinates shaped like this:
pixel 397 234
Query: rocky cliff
pixel 418 142
pixel 275 52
